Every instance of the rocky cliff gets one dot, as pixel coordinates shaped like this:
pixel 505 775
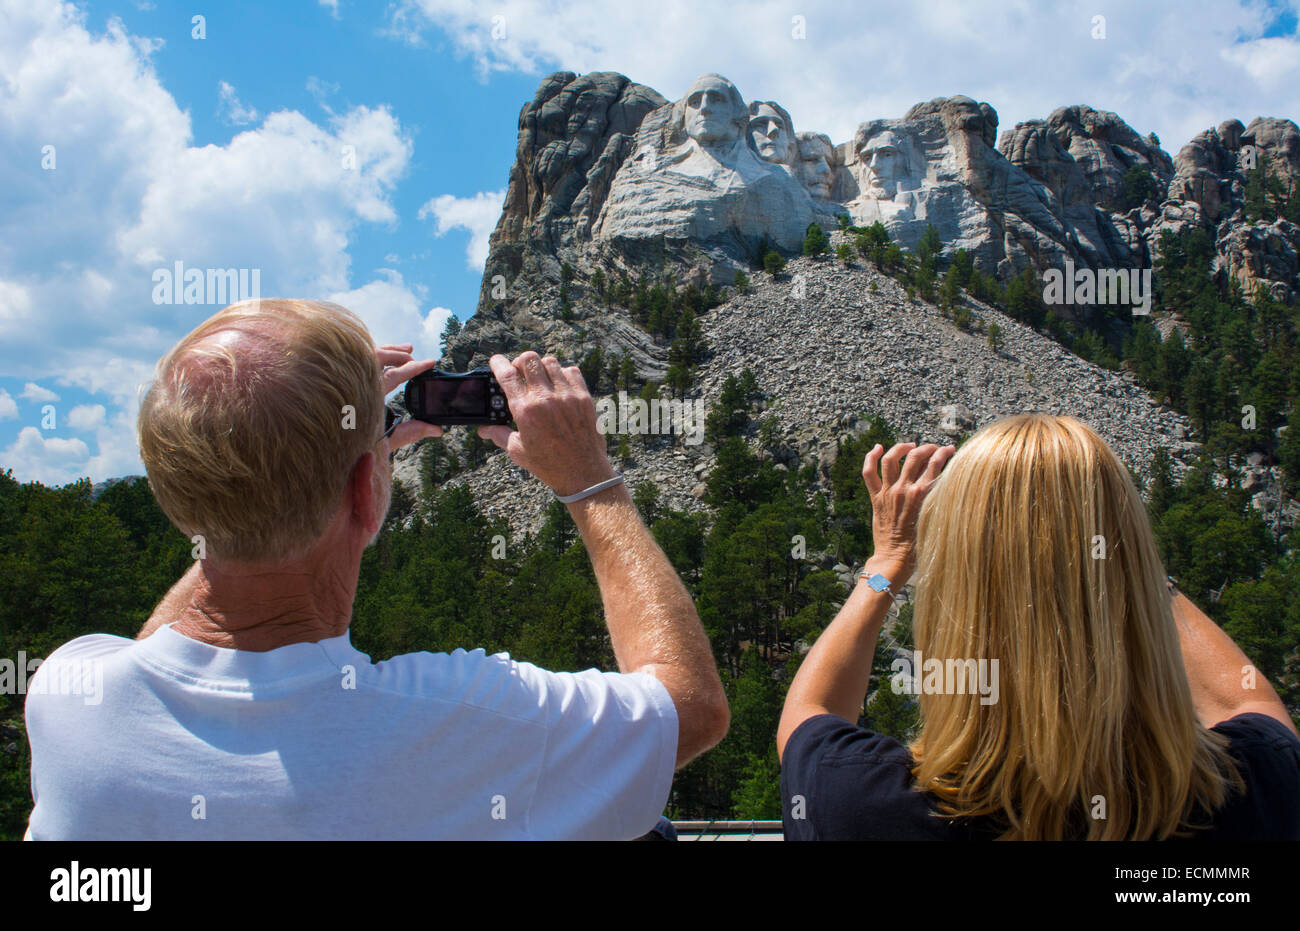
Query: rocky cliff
pixel 611 178
pixel 608 174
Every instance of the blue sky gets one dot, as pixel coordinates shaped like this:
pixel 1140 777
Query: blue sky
pixel 128 144
pixel 462 128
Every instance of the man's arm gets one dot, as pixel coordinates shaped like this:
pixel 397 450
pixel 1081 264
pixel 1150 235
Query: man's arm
pixel 653 624
pixel 1224 681
pixel 173 602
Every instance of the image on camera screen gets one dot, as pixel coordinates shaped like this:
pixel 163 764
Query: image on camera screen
pixel 467 396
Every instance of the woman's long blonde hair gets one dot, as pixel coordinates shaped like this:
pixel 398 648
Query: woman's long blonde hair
pixel 1034 550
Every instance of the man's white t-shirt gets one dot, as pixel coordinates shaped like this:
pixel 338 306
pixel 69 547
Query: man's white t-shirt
pixel 183 740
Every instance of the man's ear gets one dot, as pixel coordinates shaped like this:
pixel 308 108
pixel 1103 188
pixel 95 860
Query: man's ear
pixel 363 495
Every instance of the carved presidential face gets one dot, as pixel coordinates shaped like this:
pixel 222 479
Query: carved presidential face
pixel 1288 148
pixel 883 163
pixel 769 135
pixel 713 111
pixel 814 165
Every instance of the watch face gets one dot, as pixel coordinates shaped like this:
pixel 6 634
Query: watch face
pixel 878 582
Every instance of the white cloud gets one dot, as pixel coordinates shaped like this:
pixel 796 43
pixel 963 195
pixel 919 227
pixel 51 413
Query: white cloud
pixel 8 406
pixel 392 314
pixel 34 392
pixel 117 452
pixel 1156 67
pixel 52 460
pixel 1274 63
pixel 129 193
pixel 332 6
pixel 321 91
pixel 230 109
pixel 435 321
pixel 478 214
pixel 85 417
pixel 15 306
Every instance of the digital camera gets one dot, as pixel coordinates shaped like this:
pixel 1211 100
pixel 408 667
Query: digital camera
pixel 449 398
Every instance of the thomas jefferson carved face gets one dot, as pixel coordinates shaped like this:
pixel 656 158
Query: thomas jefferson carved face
pixel 770 133
pixel 713 111
pixel 814 165
pixel 883 163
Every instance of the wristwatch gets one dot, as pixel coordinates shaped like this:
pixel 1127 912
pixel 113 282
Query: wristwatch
pixel 877 582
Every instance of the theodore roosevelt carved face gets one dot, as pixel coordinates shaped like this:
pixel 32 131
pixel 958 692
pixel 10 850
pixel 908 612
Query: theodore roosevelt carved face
pixel 814 165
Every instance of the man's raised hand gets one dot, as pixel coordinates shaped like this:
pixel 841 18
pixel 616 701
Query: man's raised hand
pixel 400 366
pixel 557 439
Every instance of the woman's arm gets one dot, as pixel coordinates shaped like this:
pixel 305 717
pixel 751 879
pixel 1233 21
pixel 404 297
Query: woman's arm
pixel 1224 682
pixel 834 677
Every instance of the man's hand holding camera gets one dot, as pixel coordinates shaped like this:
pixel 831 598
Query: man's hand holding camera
pixel 399 366
pixel 557 439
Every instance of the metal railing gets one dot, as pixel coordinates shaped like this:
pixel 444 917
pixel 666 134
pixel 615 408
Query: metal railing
pixel 729 830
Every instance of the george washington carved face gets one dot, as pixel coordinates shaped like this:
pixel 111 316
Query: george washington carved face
pixel 713 111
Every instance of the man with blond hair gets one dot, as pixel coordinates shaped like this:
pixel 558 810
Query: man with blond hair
pixel 242 711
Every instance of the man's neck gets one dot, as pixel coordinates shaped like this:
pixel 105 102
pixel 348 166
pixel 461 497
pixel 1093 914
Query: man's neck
pixel 260 610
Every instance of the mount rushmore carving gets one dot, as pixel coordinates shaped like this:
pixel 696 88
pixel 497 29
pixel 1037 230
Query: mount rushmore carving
pixel 607 165
pixel 714 169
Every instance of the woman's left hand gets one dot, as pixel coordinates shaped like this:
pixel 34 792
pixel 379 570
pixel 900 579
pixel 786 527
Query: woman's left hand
pixel 896 496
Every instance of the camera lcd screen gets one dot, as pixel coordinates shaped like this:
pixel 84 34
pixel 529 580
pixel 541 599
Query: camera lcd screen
pixel 456 396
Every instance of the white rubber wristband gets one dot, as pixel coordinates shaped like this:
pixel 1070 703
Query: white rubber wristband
pixel 587 492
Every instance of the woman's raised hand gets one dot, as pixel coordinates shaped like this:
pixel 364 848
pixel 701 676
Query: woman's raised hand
pixel 896 496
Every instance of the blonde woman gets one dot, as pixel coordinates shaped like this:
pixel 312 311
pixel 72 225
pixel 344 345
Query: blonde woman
pixel 1066 690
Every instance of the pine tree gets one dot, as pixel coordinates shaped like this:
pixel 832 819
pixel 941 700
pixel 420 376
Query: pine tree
pixel 1173 362
pixel 401 503
pixel 626 373
pixel 873 243
pixel 437 462
pixel 449 331
pixel 962 268
pixel 891 713
pixel 1024 299
pixel 592 368
pixel 1269 395
pixel 1200 396
pixel 1141 347
pixel 928 247
pixel 1136 187
pixel 950 290
pixel 1288 453
pixel 729 414
pixel 814 241
pixel 1266 196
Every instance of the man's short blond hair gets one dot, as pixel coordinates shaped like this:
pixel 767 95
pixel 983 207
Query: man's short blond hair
pixel 254 421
